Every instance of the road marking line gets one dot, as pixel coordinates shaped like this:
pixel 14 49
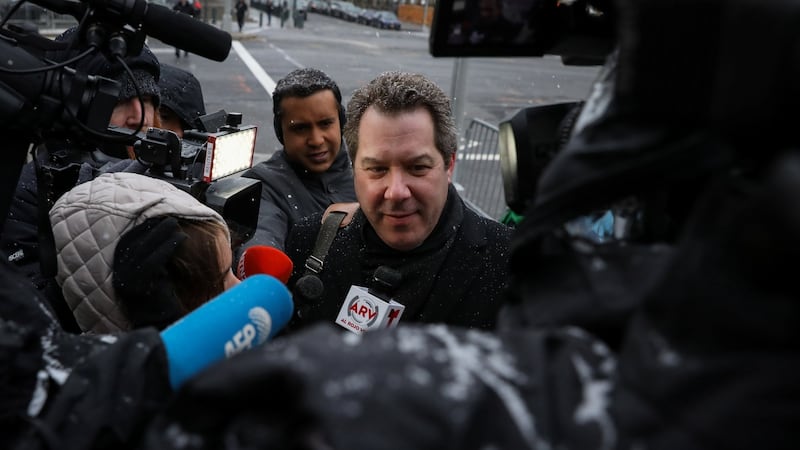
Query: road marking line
pixel 263 78
pixel 287 57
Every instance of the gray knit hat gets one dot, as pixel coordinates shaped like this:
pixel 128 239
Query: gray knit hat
pixel 144 79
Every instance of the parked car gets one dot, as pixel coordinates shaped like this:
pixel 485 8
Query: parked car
pixel 385 20
pixel 319 7
pixel 349 11
pixel 366 15
pixel 336 9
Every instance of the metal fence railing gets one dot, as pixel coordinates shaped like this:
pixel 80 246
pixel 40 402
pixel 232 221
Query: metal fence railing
pixel 477 174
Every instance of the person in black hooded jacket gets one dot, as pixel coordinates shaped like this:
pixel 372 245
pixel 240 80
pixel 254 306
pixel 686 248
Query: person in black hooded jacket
pixel 66 159
pixel 181 99
pixel 61 389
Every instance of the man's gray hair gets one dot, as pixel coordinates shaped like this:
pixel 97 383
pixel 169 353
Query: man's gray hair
pixel 397 92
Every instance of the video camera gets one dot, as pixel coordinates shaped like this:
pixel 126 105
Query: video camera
pixel 40 98
pixel 203 164
pixel 581 32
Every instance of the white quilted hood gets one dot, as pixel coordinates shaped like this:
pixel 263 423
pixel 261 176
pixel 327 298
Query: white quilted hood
pixel 88 222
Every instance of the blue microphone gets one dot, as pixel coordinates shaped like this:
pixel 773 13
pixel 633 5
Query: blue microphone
pixel 242 317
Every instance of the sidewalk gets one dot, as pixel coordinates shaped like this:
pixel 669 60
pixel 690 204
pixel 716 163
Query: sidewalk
pixel 252 26
pixel 256 25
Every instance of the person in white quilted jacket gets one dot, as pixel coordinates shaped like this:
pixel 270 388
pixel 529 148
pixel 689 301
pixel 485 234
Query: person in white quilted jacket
pixel 135 251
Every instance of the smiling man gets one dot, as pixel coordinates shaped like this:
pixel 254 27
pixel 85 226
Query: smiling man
pixel 413 240
pixel 312 171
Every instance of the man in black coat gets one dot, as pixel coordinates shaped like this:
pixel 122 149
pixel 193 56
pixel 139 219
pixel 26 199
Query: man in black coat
pixel 447 264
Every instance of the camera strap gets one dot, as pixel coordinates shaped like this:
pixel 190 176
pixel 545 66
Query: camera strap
pixel 316 261
pixel 310 286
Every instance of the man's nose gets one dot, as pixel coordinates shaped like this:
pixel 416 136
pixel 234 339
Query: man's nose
pixel 134 113
pixel 397 187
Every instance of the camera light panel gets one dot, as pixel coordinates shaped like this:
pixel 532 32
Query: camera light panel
pixel 228 152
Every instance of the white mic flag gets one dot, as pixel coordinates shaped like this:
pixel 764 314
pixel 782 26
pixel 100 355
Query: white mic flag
pixel 363 311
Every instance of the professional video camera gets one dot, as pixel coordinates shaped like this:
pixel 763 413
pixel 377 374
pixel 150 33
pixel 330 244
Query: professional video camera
pixel 39 97
pixel 202 164
pixel 581 32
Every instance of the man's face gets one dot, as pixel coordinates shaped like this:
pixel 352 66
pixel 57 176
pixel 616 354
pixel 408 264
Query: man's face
pixel 400 177
pixel 128 113
pixel 311 132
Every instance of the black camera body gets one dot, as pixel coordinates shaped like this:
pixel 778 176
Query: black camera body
pixel 206 164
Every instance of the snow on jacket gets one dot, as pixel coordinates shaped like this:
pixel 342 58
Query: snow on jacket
pixel 457 276
pixel 88 222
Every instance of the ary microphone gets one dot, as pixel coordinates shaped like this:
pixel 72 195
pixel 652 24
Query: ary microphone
pixel 263 259
pixel 240 318
pixel 372 308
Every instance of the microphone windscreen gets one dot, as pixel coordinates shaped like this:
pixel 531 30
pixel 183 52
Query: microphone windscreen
pixel 388 277
pixel 262 259
pixel 184 31
pixel 242 317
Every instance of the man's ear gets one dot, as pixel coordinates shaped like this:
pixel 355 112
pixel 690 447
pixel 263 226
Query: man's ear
pixel 451 168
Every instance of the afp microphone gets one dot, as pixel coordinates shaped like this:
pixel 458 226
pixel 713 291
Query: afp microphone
pixel 240 318
pixel 262 259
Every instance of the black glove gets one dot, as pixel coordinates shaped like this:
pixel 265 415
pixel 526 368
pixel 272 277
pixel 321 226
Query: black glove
pixel 141 279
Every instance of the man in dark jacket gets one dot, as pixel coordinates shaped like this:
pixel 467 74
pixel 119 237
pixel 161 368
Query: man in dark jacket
pixel 312 171
pixel 439 259
pixel 67 159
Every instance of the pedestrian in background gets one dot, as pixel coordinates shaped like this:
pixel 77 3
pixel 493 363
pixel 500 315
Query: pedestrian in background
pixel 284 12
pixel 241 11
pixel 185 7
pixel 270 7
pixel 312 171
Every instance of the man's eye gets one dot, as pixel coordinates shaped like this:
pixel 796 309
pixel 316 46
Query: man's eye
pixel 376 169
pixel 420 169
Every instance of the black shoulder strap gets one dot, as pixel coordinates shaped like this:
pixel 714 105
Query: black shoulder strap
pixel 310 286
pixel 327 232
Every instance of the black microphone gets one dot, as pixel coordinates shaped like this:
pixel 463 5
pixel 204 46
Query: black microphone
pixel 387 280
pixel 181 30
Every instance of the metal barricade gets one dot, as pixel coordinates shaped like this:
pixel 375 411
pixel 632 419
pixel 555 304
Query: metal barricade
pixel 477 174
